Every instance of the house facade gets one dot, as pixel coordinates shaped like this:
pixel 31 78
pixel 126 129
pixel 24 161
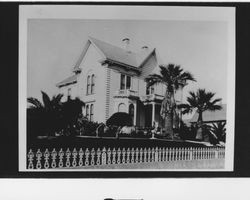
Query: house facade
pixel 110 79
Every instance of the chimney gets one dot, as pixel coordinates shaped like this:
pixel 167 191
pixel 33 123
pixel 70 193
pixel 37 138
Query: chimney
pixel 125 42
pixel 144 48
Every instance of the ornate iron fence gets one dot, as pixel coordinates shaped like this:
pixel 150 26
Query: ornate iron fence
pixel 96 157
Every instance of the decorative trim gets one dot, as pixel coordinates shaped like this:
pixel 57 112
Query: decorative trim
pixel 107 99
pixel 91 101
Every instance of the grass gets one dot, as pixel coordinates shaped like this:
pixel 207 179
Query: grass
pixel 93 142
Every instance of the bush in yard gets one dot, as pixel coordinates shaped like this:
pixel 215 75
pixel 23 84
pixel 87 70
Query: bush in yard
pixel 52 117
pixel 219 130
pixel 87 127
pixel 120 119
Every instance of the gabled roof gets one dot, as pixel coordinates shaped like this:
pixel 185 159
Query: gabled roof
pixel 212 116
pixel 68 81
pixel 117 54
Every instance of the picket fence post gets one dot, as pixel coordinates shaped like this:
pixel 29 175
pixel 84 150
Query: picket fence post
pixel 104 154
pixel 81 154
pixel 53 159
pixel 30 159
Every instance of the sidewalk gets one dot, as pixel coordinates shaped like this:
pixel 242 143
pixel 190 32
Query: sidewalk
pixel 185 164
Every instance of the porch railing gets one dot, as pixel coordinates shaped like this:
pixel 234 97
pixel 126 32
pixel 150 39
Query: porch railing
pixel 151 97
pixel 106 156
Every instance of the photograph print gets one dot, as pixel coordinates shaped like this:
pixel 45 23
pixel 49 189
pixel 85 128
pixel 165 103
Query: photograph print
pixel 124 88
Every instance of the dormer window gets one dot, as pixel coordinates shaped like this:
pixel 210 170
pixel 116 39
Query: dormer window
pixel 125 82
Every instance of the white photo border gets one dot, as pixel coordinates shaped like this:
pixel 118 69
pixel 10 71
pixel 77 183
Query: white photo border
pixel 121 13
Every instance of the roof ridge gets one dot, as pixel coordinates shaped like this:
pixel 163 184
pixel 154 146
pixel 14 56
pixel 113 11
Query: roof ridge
pixel 92 38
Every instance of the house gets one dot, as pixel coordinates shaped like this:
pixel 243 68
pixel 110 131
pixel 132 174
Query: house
pixel 210 117
pixel 110 79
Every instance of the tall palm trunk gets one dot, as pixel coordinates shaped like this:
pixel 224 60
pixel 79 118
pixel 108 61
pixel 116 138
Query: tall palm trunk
pixel 169 124
pixel 167 112
pixel 199 134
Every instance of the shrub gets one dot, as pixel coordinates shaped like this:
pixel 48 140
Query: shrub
pixel 87 127
pixel 120 119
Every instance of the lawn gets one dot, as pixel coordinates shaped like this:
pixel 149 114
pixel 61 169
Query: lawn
pixel 92 142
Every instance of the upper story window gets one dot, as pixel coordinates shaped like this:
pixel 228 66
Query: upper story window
pixel 92 87
pixel 90 84
pixel 150 90
pixel 125 82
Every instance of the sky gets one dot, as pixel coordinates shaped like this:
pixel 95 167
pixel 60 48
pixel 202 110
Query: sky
pixel 200 47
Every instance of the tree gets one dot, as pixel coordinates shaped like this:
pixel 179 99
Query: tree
pixel 51 115
pixel 201 101
pixel 71 114
pixel 45 114
pixel 174 78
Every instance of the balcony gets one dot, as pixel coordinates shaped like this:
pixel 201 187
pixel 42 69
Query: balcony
pixel 126 93
pixel 151 98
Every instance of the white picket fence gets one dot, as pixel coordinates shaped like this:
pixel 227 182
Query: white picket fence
pixel 85 157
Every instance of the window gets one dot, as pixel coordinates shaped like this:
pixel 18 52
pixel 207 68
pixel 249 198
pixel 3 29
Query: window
pixel 122 82
pixel 125 82
pixel 69 92
pixel 122 107
pixel 91 112
pixel 128 82
pixel 87 111
pixel 150 90
pixel 90 84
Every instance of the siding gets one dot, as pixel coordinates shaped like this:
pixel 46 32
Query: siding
pixel 91 65
pixel 149 66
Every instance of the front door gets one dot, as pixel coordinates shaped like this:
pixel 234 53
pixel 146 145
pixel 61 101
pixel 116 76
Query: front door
pixel 148 116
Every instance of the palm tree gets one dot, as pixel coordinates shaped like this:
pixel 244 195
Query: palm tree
pixel 47 112
pixel 219 129
pixel 174 78
pixel 71 113
pixel 201 101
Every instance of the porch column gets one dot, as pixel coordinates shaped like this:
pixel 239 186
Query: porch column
pixel 135 113
pixel 153 112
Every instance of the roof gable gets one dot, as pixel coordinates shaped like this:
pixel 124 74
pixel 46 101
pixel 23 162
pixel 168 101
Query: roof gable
pixel 116 54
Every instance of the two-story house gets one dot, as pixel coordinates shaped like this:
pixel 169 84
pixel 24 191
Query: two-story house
pixel 110 79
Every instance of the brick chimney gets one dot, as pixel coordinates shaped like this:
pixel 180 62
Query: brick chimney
pixel 126 45
pixel 144 48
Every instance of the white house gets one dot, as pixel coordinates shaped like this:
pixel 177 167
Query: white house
pixel 110 79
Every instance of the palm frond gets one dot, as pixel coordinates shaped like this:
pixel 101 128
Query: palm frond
pixel 56 99
pixel 35 102
pixel 214 107
pixel 153 79
pixel 185 108
pixel 216 101
pixel 46 99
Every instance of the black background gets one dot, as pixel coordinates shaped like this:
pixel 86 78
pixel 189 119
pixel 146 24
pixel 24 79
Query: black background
pixel 9 99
